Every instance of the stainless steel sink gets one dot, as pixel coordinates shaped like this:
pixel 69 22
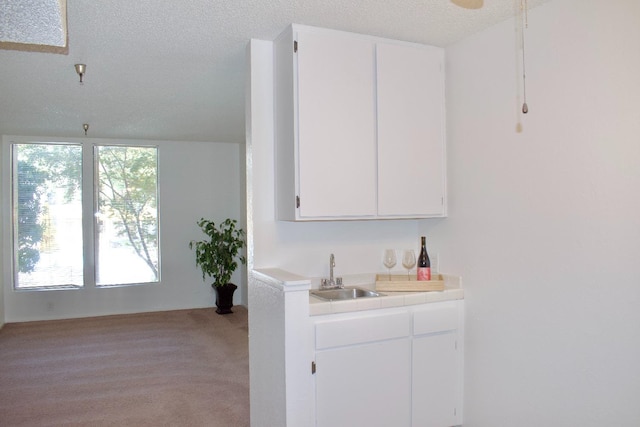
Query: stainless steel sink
pixel 349 292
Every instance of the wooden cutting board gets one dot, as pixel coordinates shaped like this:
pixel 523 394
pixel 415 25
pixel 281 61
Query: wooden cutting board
pixel 402 283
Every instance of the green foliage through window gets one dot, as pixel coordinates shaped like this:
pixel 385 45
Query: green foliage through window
pixel 48 210
pixel 127 195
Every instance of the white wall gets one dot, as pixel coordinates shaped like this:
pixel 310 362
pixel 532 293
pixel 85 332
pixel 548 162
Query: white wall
pixel 544 225
pixel 196 179
pixel 2 321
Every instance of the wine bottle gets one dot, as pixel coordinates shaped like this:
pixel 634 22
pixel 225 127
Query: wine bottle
pixel 424 264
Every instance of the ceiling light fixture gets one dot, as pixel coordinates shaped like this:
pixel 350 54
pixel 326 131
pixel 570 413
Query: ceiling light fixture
pixel 80 69
pixel 469 4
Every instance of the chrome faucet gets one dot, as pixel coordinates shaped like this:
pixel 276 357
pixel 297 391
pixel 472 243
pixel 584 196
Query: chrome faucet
pixel 331 282
pixel 332 264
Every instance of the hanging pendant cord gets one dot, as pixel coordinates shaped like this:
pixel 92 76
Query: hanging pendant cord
pixel 524 7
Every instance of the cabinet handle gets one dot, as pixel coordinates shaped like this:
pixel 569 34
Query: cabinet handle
pixel 295 46
pixel 297 201
pixel 313 367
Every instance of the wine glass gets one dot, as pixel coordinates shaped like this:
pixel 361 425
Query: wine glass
pixel 389 260
pixel 408 261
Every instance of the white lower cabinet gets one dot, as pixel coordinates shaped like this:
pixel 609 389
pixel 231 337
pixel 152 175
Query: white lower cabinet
pixel 390 367
pixel 363 374
pixel 364 385
pixel 437 365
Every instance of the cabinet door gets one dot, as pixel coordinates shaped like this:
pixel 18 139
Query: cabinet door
pixel 436 379
pixel 437 365
pixel 336 125
pixel 411 157
pixel 365 385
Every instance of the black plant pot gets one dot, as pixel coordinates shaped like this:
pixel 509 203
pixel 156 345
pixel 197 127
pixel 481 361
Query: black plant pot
pixel 224 298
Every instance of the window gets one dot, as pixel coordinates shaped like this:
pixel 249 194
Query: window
pixel 73 219
pixel 47 210
pixel 127 215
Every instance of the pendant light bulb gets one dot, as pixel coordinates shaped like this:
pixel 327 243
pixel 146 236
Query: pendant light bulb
pixel 86 128
pixel 80 69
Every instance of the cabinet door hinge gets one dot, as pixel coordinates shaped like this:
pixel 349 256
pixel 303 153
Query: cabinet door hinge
pixel 295 46
pixel 297 201
pixel 313 367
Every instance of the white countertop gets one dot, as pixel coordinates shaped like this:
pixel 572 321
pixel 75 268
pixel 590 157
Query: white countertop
pixel 453 291
pixel 291 282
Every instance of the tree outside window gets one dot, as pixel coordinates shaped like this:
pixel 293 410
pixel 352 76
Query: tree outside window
pixel 48 216
pixel 127 214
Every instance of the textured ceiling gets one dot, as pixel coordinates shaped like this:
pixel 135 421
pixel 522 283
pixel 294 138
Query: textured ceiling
pixel 166 69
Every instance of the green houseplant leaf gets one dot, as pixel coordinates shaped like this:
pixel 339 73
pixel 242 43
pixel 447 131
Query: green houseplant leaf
pixel 218 256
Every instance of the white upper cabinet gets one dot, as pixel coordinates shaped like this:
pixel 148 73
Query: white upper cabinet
pixel 358 127
pixel 411 154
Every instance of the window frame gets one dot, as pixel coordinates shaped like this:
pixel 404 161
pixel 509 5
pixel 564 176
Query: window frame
pixel 89 189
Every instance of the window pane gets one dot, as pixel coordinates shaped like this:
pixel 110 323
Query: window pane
pixel 47 212
pixel 127 218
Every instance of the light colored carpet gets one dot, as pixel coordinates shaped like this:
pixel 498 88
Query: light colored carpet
pixel 175 368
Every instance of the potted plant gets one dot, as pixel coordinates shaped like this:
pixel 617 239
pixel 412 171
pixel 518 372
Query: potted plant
pixel 218 258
